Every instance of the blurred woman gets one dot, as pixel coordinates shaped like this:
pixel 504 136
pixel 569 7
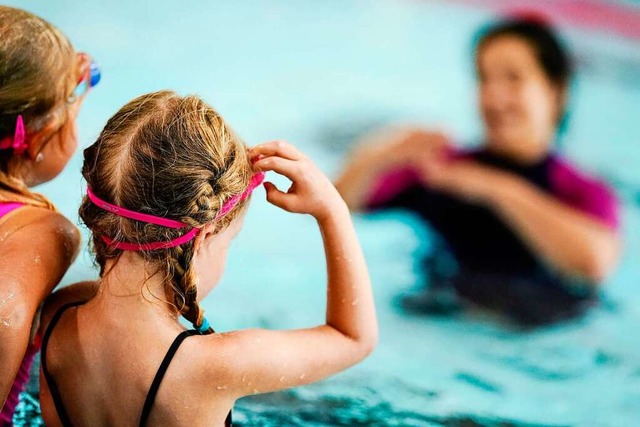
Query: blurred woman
pixel 531 235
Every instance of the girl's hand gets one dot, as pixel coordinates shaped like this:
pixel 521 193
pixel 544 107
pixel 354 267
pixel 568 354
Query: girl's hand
pixel 311 192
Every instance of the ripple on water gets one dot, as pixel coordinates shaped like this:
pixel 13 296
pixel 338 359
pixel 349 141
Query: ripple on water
pixel 555 363
pixel 359 401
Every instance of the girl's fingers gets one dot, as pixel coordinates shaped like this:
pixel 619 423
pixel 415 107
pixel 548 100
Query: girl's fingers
pixel 277 148
pixel 275 196
pixel 288 168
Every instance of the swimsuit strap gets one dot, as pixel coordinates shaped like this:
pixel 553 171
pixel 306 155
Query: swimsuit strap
pixel 53 387
pixel 162 370
pixel 153 390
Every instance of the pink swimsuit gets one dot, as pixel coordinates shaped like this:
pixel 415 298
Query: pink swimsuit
pixel 6 415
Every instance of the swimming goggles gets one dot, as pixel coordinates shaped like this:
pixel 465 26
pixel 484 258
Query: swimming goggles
pixel 228 205
pixel 90 76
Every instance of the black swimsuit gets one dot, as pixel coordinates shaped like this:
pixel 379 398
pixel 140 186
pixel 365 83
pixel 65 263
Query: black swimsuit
pixel 493 266
pixel 153 390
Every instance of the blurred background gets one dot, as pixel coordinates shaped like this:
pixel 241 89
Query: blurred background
pixel 320 73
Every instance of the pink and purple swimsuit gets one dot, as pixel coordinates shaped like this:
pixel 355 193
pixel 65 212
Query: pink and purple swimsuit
pixel 6 415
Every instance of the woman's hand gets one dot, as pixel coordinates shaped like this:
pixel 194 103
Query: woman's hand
pixel 400 147
pixel 311 192
pixel 386 150
pixel 466 179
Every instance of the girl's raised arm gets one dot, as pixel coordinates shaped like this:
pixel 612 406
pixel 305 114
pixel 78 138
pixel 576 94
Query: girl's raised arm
pixel 263 360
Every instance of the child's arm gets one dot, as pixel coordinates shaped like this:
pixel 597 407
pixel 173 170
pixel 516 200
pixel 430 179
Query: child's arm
pixel 261 360
pixel 37 248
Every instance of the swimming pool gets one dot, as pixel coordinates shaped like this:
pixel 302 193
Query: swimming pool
pixel 316 73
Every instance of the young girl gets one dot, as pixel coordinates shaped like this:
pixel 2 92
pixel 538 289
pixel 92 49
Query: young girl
pixel 40 94
pixel 168 184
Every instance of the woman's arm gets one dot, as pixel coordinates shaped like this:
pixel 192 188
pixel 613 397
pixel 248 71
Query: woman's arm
pixel 262 360
pixel 572 241
pixel 569 240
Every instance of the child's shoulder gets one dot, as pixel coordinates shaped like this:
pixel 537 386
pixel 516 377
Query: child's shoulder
pixel 222 358
pixel 38 245
pixel 31 225
pixel 77 293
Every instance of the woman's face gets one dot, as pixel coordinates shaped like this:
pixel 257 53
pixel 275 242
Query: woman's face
pixel 519 104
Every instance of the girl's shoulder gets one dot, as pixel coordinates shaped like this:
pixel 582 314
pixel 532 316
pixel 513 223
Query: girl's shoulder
pixel 78 293
pixel 37 247
pixel 30 224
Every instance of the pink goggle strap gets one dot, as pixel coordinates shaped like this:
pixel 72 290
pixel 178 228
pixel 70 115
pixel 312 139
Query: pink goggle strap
pixel 153 245
pixel 126 213
pixel 18 142
pixel 256 180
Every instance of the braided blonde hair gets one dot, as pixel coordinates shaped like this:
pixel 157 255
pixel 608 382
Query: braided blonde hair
pixel 168 156
pixel 36 61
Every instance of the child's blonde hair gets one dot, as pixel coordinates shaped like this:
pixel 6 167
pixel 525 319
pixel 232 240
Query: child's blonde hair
pixel 167 156
pixel 36 63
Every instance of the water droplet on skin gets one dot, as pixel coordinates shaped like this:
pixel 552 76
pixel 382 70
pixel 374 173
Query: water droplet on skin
pixel 38 259
pixel 355 302
pixel 221 387
pixel 6 321
pixel 244 378
pixel 302 376
pixel 6 299
pixel 255 391
pixel 281 379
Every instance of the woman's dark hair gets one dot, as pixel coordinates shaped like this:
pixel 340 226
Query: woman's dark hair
pixel 550 53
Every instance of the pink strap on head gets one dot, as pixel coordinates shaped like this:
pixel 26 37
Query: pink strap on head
pixel 256 180
pixel 153 245
pixel 126 213
pixel 18 141
pixel 234 200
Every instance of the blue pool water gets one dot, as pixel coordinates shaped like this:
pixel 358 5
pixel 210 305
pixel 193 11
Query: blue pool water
pixel 318 73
